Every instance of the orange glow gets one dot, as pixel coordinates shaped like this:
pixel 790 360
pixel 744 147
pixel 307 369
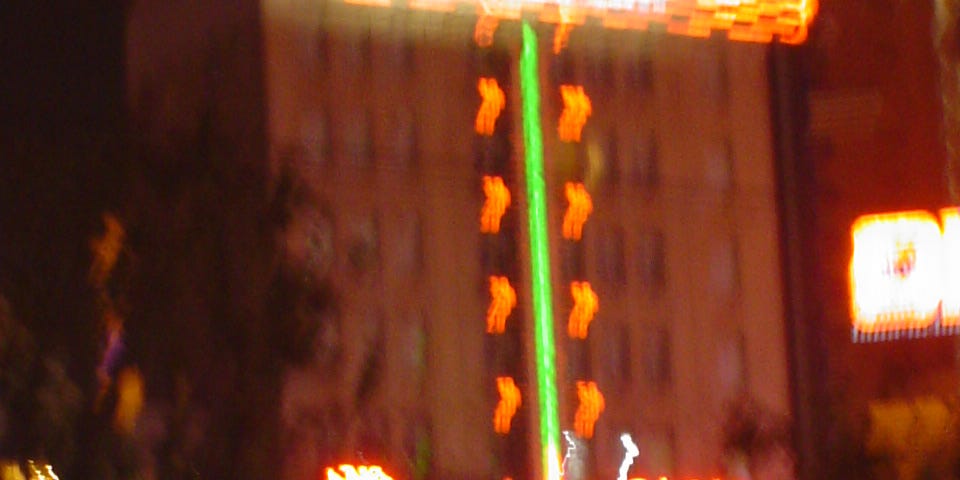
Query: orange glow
pixel 502 300
pixel 950 285
pixel 363 472
pixel 896 271
pixel 591 406
pixel 496 203
pixel 493 102
pixel 576 109
pixel 580 206
pixel 507 406
pixel 561 36
pixel 585 306
pixel 763 21
pixel 486 27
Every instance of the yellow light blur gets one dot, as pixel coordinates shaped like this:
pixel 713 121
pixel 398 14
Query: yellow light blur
pixel 579 208
pixel 510 401
pixel 950 284
pixel 363 472
pixel 585 306
pixel 576 109
pixel 591 406
pixel 502 300
pixel 495 205
pixel 895 272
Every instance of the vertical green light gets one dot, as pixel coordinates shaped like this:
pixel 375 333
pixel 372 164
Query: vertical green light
pixel 539 256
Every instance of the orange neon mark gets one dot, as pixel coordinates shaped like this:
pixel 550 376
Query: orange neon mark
pixel 502 300
pixel 950 306
pixel 585 306
pixel 896 271
pixel 507 406
pixel 363 472
pixel 561 36
pixel 591 406
pixel 496 203
pixel 493 102
pixel 579 207
pixel 576 109
pixel 486 27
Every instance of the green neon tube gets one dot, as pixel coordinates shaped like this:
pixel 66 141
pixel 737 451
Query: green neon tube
pixel 539 257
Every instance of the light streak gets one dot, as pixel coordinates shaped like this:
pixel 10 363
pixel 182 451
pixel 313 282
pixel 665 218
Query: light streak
pixel 495 205
pixel 579 208
pixel 493 102
pixel 545 356
pixel 510 401
pixel 571 449
pixel 631 452
pixel 576 109
pixel 502 300
pixel 591 406
pixel 585 306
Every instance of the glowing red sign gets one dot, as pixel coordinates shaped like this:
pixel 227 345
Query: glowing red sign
pixel 495 205
pixel 591 406
pixel 585 306
pixel 502 300
pixel 493 102
pixel 363 472
pixel 576 109
pixel 579 208
pixel 507 406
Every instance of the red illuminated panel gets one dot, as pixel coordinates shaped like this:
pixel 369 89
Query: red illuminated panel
pixel 591 406
pixel 585 306
pixel 502 300
pixel 576 109
pixel 579 208
pixel 496 203
pixel 507 406
pixel 895 273
pixel 363 472
pixel 744 20
pixel 950 218
pixel 493 102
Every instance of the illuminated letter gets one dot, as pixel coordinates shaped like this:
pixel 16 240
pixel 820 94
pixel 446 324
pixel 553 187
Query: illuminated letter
pixel 591 406
pixel 493 102
pixel 895 273
pixel 507 406
pixel 951 267
pixel 580 207
pixel 585 306
pixel 502 300
pixel 496 203
pixel 576 109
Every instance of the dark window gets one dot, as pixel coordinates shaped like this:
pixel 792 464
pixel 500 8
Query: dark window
pixel 645 161
pixel 357 140
pixel 610 256
pixel 657 357
pixel 651 260
pixel 363 249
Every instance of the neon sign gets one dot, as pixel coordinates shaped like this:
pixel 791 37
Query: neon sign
pixel 591 406
pixel 363 472
pixel 743 20
pixel 632 451
pixel 502 300
pixel 585 306
pixel 904 275
pixel 495 205
pixel 576 109
pixel 493 102
pixel 579 208
pixel 510 401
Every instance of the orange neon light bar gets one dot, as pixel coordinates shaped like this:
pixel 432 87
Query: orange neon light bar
pixel 585 306
pixel 896 272
pixel 591 406
pixel 576 109
pixel 493 102
pixel 362 472
pixel 950 284
pixel 786 21
pixel 502 300
pixel 507 406
pixel 579 208
pixel 496 203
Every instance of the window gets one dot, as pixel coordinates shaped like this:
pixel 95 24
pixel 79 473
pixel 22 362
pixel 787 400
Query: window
pixel 725 265
pixel 404 147
pixel 718 168
pixel 618 357
pixel 357 142
pixel 314 140
pixel 571 261
pixel 657 360
pixel 408 247
pixel 358 52
pixel 363 249
pixel 610 256
pixel 418 446
pixel 651 262
pixel 640 73
pixel 645 160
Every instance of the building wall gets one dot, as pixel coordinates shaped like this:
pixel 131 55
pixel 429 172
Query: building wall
pixel 681 248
